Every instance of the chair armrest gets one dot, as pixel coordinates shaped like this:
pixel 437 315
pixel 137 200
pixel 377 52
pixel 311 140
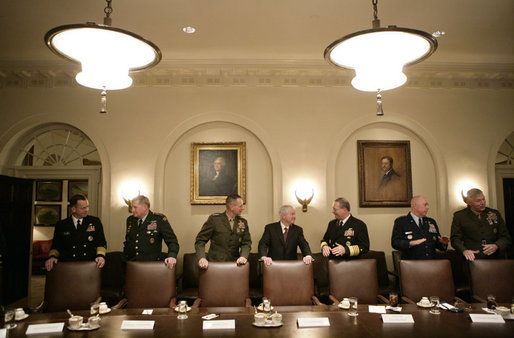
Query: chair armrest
pixel 316 301
pixel 121 304
pixel 382 299
pixel 40 308
pixel 197 303
pixel 408 300
pixel 334 300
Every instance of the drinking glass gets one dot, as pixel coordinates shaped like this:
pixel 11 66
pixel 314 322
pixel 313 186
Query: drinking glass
pixel 434 302
pixel 491 302
pixel 353 306
pixel 9 319
pixel 182 309
pixel 393 299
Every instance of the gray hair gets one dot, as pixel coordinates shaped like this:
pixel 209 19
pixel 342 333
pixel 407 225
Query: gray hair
pixel 284 209
pixel 221 160
pixel 141 199
pixel 473 192
pixel 343 203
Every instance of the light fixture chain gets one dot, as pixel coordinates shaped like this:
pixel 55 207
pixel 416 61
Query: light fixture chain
pixel 108 8
pixel 375 9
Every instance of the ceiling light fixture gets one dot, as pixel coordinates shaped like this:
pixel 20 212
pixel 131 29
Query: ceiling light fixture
pixel 107 54
pixel 378 55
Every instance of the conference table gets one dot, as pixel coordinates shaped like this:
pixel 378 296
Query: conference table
pixel 366 324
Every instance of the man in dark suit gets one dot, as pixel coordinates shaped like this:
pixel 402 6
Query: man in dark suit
pixel 390 175
pixel 479 231
pixel 219 183
pixel 346 236
pixel 416 235
pixel 280 239
pixel 145 232
pixel 228 233
pixel 79 237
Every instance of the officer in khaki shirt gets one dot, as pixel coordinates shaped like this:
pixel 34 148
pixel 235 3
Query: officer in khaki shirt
pixel 145 232
pixel 228 233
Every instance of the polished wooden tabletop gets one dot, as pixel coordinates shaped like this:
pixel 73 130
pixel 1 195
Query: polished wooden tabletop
pixel 367 324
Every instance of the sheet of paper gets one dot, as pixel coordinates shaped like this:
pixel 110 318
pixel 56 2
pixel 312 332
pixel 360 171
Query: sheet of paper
pixel 377 309
pixel 397 319
pixel 148 311
pixel 482 318
pixel 45 328
pixel 137 324
pixel 3 333
pixel 219 324
pixel 313 322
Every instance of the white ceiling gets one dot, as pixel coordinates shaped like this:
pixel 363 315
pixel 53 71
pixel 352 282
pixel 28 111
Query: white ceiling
pixel 265 31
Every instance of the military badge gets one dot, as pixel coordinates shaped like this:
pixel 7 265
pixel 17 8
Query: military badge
pixel 90 228
pixel 152 240
pixel 90 238
pixel 492 218
pixel 241 226
pixel 152 225
pixel 349 232
pixel 495 230
pixel 434 238
pixel 431 228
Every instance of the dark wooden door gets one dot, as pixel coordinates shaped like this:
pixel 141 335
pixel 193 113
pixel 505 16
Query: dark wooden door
pixel 15 228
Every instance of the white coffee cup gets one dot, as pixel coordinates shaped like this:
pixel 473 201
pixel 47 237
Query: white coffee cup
pixel 424 301
pixel 345 303
pixel 19 314
pixel 276 318
pixel 94 321
pixel 75 322
pixel 259 318
pixel 102 308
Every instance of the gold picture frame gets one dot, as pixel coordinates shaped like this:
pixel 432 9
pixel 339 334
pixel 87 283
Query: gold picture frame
pixel 385 178
pixel 217 170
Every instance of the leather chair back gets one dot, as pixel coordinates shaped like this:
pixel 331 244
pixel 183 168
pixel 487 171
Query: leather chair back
pixel 288 283
pixel 113 277
pixel 72 285
pixel 492 277
pixel 150 284
pixel 382 274
pixel 320 270
pixel 190 271
pixel 425 278
pixel 224 284
pixel 354 278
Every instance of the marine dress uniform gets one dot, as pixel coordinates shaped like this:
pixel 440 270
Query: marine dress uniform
pixel 353 235
pixel 84 243
pixel 143 241
pixel 470 231
pixel 227 243
pixel 405 230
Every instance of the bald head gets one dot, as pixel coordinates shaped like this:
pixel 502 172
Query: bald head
pixel 419 206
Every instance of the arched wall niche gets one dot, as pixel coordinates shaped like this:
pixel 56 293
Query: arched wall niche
pixel 187 219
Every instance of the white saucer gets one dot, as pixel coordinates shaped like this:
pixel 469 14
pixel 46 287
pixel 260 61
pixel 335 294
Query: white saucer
pixel 22 317
pixel 188 309
pixel 267 324
pixel 105 311
pixel 343 307
pixel 83 327
pixel 425 305
pixel 260 307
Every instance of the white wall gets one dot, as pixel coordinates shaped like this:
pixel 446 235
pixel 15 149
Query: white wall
pixel 291 133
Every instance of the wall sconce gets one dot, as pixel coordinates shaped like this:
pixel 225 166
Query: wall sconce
pixel 130 190
pixel 463 187
pixel 304 194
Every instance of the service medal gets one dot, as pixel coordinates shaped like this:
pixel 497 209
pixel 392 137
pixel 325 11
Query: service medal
pixel 90 238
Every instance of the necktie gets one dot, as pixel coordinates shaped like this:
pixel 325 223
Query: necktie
pixel 341 223
pixel 420 222
pixel 78 223
pixel 231 222
pixel 285 233
pixel 139 222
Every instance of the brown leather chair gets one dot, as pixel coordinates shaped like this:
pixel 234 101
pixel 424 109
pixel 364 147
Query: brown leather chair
pixel 72 285
pixel 385 286
pixel 149 284
pixel 425 278
pixel 224 284
pixel 289 283
pixel 189 279
pixel 492 277
pixel 113 278
pixel 354 278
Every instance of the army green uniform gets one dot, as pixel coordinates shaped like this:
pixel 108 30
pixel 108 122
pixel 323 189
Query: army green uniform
pixel 144 242
pixel 227 244
pixel 468 231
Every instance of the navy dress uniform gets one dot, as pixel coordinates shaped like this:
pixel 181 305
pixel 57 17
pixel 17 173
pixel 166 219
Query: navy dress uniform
pixel 469 231
pixel 84 243
pixel 143 240
pixel 405 230
pixel 353 235
pixel 227 243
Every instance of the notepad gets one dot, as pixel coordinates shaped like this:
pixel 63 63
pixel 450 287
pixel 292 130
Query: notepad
pixel 313 322
pixel 406 319
pixel 147 312
pixel 137 324
pixel 482 318
pixel 377 309
pixel 3 333
pixel 219 324
pixel 45 328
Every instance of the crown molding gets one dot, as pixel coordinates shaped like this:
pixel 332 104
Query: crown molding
pixel 258 73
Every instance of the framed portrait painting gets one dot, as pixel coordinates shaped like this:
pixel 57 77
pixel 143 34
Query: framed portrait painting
pixel 217 170
pixel 384 173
